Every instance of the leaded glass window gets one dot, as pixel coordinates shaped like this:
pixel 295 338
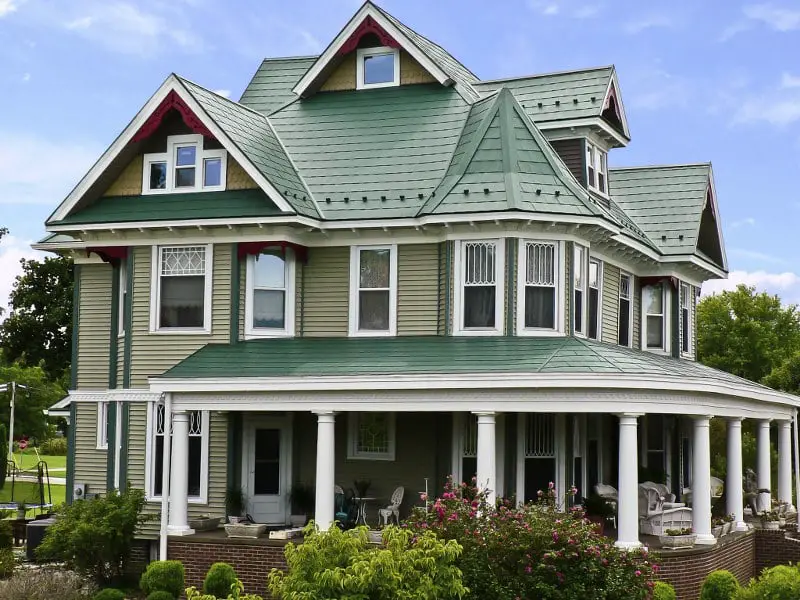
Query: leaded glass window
pixel 182 287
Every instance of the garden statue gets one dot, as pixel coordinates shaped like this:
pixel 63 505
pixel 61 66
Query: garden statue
pixel 751 490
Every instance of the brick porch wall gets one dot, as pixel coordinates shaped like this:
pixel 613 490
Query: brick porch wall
pixel 775 548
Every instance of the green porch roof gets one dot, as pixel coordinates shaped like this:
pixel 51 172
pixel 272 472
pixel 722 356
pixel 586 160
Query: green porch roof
pixel 169 207
pixel 310 357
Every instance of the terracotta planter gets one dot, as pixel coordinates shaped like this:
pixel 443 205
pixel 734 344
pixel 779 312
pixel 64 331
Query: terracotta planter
pixel 677 541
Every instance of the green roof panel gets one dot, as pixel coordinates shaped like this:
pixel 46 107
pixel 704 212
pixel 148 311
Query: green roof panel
pixel 271 86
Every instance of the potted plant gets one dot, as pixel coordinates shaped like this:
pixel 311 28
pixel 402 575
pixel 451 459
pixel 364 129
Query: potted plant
pixel 770 520
pixel 597 511
pixel 677 538
pixel 302 501
pixel 22 508
pixel 235 503
pixel 362 487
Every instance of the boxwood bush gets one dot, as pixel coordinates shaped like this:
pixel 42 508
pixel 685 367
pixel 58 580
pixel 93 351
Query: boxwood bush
pixel 219 580
pixel 163 576
pixel 109 594
pixel 719 585
pixel 778 583
pixel 663 591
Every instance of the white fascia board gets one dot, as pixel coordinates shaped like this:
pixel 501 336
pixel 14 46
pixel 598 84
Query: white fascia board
pixel 330 52
pixel 115 395
pixel 717 216
pixel 698 262
pixel 584 122
pixel 490 381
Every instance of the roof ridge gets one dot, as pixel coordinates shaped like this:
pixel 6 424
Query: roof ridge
pixel 550 74
pixel 590 346
pixel 298 57
pixel 210 91
pixel 663 166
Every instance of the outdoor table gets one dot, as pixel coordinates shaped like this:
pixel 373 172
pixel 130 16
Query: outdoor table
pixel 361 517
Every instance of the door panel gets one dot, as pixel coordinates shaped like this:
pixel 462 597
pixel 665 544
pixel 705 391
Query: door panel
pixel 268 446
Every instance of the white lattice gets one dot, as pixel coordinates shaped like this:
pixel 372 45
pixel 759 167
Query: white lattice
pixel 183 260
pixel 195 421
pixel 541 264
pixel 479 263
pixel 625 286
pixel 540 435
pixel 470 449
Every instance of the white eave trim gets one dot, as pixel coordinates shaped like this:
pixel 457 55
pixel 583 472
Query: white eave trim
pixel 368 11
pixel 172 83
pixel 584 122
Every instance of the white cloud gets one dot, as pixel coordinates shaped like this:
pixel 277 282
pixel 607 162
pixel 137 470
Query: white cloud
pixel 733 30
pixel 789 81
pixel 225 93
pixel 755 255
pixel 655 89
pixel 26 77
pixel 649 22
pixel 786 285
pixel 749 221
pixel 775 110
pixel 12 249
pixel 34 170
pixel 7 7
pixel 564 8
pixel 777 18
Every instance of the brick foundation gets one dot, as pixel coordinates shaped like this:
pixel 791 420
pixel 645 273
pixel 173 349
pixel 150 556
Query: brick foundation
pixel 775 548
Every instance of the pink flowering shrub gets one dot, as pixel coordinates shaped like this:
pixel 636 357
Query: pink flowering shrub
pixel 533 551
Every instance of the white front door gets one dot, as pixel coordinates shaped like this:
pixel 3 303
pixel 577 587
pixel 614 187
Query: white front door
pixel 267 468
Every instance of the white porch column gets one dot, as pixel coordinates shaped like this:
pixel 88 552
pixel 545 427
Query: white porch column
pixel 179 476
pixel 487 445
pixel 763 466
pixel 628 493
pixel 733 481
pixel 324 510
pixel 701 481
pixel 785 462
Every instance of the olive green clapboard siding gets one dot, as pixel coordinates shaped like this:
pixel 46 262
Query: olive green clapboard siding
pixel 637 312
pixel 94 328
pixel 90 463
pixel 217 466
pixel 154 353
pixel 327 290
pixel 610 311
pixel 417 289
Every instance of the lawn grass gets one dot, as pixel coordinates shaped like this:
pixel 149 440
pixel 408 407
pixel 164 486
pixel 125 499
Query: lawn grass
pixel 27 461
pixel 28 492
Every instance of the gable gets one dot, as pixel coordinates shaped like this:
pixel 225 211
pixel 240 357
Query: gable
pixel 343 77
pixel 709 241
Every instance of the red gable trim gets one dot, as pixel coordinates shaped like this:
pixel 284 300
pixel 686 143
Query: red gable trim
pixel 109 254
pixel 246 248
pixel 368 25
pixel 172 101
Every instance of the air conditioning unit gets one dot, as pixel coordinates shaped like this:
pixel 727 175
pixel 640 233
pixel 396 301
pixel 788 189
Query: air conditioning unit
pixel 79 493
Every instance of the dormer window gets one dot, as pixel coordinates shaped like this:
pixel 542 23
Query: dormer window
pixel 377 67
pixel 185 167
pixel 597 168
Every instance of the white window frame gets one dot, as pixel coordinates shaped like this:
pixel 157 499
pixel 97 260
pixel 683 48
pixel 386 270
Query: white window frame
pixel 560 307
pixel 686 333
pixel 155 291
pixel 150 456
pixel 102 425
pixel 355 282
pixel 597 160
pixel 630 305
pixel 599 289
pixel 122 290
pixel 352 439
pixel 458 288
pixel 665 291
pixel 363 53
pixel 289 271
pixel 169 157
pixel 584 269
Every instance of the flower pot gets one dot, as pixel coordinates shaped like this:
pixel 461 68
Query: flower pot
pixel 297 520
pixel 771 525
pixel 245 530
pixel 204 523
pixel 781 522
pixel 234 520
pixel 375 536
pixel 716 531
pixel 677 541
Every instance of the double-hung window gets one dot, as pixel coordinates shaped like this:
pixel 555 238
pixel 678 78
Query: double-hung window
pixel 373 290
pixel 186 166
pixel 595 283
pixel 596 168
pixel 371 436
pixel 181 289
pixel 269 308
pixel 538 298
pixel 377 67
pixel 102 425
pixel 624 337
pixel 654 307
pixel 198 452
pixel 479 293
pixel 579 283
pixel 687 306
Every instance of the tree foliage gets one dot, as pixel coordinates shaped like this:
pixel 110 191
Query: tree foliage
pixel 38 328
pixel 29 420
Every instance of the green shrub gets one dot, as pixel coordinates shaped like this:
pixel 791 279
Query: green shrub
pixel 7 563
pixel 663 591
pixel 109 594
pixel 219 580
pixel 163 576
pixel 719 585
pixel 533 551
pixel 94 537
pixel 778 583
pixel 342 564
pixel 6 535
pixel 160 595
pixel 236 593
pixel 55 446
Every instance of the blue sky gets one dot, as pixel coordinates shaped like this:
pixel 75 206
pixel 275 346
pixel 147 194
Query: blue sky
pixel 717 80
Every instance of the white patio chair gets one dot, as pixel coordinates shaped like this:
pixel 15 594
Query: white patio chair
pixel 610 495
pixel 394 508
pixel 663 490
pixel 717 486
pixel 653 518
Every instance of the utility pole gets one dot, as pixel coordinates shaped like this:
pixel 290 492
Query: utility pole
pixel 3 388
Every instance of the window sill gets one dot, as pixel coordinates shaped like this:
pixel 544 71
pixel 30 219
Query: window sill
pixel 477 332
pixel 540 333
pixel 183 190
pixel 180 331
pixel 384 458
pixel 372 86
pixel 102 447
pixel 250 335
pixel 373 333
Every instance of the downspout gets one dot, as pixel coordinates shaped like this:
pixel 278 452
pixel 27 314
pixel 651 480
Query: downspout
pixel 165 476
pixel 796 469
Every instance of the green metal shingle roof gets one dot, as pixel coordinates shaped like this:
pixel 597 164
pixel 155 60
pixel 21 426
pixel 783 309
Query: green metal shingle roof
pixel 664 201
pixel 312 357
pixel 271 86
pixel 252 133
pixel 170 207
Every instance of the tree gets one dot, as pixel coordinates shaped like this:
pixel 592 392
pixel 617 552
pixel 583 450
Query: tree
pixel 29 418
pixel 746 333
pixel 38 329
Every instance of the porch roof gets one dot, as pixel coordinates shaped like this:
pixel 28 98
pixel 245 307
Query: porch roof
pixel 436 355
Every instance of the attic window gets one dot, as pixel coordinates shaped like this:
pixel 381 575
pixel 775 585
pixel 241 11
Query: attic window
pixel 377 67
pixel 597 168
pixel 185 167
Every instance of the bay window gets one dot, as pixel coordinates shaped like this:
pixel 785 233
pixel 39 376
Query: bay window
pixel 186 166
pixel 653 306
pixel 181 289
pixel 538 296
pixel 579 283
pixel 595 278
pixel 479 293
pixel 269 307
pixel 624 337
pixel 373 290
